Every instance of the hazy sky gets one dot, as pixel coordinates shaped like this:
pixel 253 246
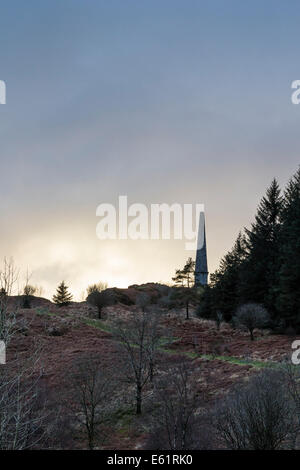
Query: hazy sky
pixel 162 101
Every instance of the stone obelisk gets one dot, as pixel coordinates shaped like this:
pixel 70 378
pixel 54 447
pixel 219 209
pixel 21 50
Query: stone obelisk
pixel 201 272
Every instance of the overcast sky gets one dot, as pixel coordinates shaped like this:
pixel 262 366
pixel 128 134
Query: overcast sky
pixel 162 101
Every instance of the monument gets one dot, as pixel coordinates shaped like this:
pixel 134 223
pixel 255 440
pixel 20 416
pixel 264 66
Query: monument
pixel 201 272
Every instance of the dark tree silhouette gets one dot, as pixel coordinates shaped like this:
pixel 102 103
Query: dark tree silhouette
pixel 258 272
pixel 251 316
pixel 89 397
pixel 100 299
pixel 185 277
pixel 287 294
pixel 264 265
pixel 184 292
pixel 176 421
pixel 139 340
pixel 62 297
pixel 258 416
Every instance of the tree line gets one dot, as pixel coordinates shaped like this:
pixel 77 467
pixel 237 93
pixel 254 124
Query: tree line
pixel 263 267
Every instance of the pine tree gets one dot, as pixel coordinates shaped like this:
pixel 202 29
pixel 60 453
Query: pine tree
pixel 226 280
pixel 62 297
pixel 287 287
pixel 185 293
pixel 264 265
pixel 184 277
pixel 261 241
pixel 205 307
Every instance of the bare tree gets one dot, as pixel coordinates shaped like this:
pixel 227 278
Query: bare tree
pixel 291 377
pixel 139 337
pixel 24 420
pixel 39 291
pixel 153 333
pixel 8 278
pixel 258 416
pixel 178 420
pixel 22 413
pixel 99 287
pixel 89 397
pixel 251 316
pixel 152 344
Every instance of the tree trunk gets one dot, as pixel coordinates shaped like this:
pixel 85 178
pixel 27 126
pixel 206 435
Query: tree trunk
pixel 251 335
pixel 187 310
pixel 90 431
pixel 91 442
pixel 151 367
pixel 138 399
pixel 99 312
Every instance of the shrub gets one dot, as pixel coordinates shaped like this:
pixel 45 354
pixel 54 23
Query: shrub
pixel 258 416
pixel 100 300
pixel 251 316
pixel 177 422
pixel 99 287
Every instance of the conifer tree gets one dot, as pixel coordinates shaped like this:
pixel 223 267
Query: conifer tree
pixel 206 305
pixel 185 293
pixel 264 265
pixel 226 280
pixel 258 271
pixel 287 287
pixel 184 277
pixel 62 297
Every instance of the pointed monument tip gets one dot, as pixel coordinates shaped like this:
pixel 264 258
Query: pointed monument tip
pixel 201 271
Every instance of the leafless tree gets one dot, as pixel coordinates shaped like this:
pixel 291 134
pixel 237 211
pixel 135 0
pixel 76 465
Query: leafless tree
pixel 291 377
pixel 39 291
pixel 153 333
pixel 178 419
pixel 251 316
pixel 8 278
pixel 152 344
pixel 99 287
pixel 22 412
pixel 90 390
pixel 139 337
pixel 24 420
pixel 258 416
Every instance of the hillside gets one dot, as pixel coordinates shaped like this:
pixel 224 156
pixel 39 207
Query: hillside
pixel 63 335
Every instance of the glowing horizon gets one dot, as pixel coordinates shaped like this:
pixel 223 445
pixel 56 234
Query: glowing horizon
pixel 165 102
